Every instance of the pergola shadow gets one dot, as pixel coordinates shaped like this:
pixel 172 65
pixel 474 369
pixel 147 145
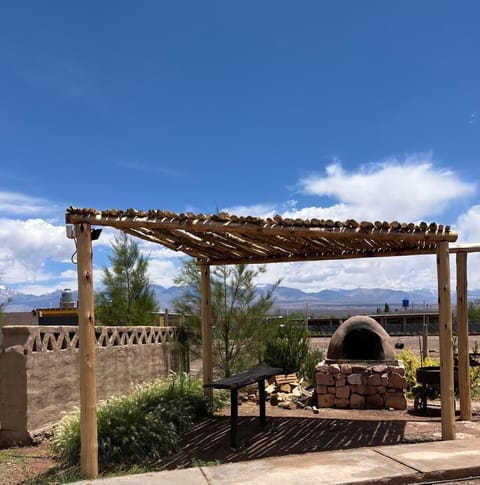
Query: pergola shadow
pixel 209 440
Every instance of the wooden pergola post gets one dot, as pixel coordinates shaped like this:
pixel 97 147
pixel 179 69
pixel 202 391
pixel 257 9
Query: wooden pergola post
pixel 462 334
pixel 446 342
pixel 86 323
pixel 207 340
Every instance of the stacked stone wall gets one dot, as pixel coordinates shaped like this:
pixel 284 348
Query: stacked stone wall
pixel 360 385
pixel 40 371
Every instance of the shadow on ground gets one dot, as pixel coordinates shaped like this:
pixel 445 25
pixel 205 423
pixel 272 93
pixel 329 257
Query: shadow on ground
pixel 209 441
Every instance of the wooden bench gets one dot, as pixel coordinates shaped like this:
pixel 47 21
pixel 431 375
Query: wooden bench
pixel 238 381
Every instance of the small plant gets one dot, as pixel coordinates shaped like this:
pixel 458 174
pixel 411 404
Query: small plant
pixel 313 357
pixel 139 428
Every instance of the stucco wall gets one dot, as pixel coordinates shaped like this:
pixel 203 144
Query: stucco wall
pixel 40 369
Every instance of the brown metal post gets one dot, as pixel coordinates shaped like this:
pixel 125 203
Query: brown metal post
pixel 462 333
pixel 86 323
pixel 446 342
pixel 207 340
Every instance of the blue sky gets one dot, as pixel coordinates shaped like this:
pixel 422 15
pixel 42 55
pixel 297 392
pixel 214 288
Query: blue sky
pixel 367 110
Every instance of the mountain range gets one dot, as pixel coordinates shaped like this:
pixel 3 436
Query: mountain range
pixel 286 299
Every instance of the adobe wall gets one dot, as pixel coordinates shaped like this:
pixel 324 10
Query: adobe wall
pixel 40 371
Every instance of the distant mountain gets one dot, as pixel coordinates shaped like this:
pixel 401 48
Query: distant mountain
pixel 286 298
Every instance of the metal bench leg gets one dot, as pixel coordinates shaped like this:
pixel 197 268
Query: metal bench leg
pixel 261 395
pixel 234 418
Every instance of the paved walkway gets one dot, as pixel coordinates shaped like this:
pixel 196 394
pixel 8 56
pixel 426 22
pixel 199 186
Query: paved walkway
pixel 386 465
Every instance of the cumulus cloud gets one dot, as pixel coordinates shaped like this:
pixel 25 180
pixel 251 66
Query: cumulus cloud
pixel 25 247
pixel 410 189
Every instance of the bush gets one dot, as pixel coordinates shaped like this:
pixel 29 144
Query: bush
pixel 412 362
pixel 141 427
pixel 307 371
pixel 288 347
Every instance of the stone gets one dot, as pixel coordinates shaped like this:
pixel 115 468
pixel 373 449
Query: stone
pixel 326 400
pixel 374 402
pixel 343 392
pixel 379 369
pixel 374 380
pixel 324 379
pixel 346 369
pixel 355 379
pixel 398 369
pixel 357 401
pixel 342 403
pixel 385 379
pixel 397 381
pixel 322 389
pixel 359 389
pixel 340 381
pixel 334 369
pixel 285 388
pixel 287 405
pixel 371 390
pixel 322 367
pixel 396 401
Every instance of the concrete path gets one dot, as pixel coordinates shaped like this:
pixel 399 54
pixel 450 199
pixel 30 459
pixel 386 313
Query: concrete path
pixel 387 465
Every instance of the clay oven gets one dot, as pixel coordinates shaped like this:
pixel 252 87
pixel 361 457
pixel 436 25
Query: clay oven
pixel 361 338
pixel 361 370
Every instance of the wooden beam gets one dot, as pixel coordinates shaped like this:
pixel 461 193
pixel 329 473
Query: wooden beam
pixel 86 323
pixel 446 342
pixel 462 333
pixel 207 340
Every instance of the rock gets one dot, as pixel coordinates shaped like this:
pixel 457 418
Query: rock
pixel 274 400
pixel 285 388
pixel 342 403
pixel 379 369
pixel 346 369
pixel 325 400
pixel 374 402
pixel 322 389
pixel 340 380
pixel 343 392
pixel 334 369
pixel 374 380
pixel 315 410
pixel 324 379
pixel 287 405
pixel 396 401
pixel 355 379
pixel 398 369
pixel 321 367
pixel 357 401
pixel 397 381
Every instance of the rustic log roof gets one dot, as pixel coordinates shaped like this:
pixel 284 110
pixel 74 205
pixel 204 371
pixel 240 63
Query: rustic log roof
pixel 228 239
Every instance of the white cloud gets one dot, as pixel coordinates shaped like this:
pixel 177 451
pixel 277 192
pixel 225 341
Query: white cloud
pixel 407 273
pixel 15 204
pixel 409 190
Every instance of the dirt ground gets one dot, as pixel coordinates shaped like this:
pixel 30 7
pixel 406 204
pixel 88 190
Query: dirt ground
pixel 288 432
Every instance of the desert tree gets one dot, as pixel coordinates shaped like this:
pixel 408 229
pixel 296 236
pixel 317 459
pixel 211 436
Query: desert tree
pixel 127 297
pixel 239 311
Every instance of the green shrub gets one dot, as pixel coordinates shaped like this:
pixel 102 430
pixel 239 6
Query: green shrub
pixel 288 347
pixel 412 362
pixel 141 427
pixel 307 371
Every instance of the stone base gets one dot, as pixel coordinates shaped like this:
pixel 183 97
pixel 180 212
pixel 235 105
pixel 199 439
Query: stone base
pixel 360 385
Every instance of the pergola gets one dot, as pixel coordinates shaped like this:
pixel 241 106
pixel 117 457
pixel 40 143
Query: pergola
pixel 224 239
